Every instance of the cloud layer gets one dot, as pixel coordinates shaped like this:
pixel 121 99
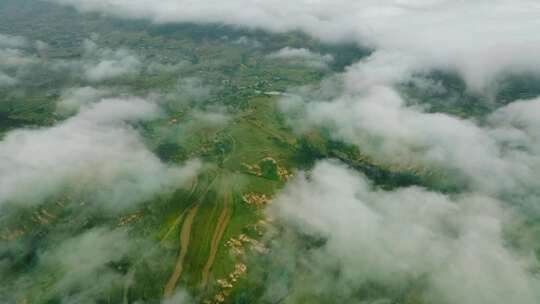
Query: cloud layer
pixel 85 258
pixel 479 39
pixel 19 59
pixel 455 246
pixel 500 156
pixel 95 152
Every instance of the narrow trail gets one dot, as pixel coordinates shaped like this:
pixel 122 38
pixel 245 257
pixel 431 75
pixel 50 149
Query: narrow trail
pixel 222 223
pixel 184 245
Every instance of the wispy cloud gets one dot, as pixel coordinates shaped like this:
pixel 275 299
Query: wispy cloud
pixel 303 57
pixel 454 248
pixel 95 153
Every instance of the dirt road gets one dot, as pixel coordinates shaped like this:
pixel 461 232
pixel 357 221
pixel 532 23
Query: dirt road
pixel 184 245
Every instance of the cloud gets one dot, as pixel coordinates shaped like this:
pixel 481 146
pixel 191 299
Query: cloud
pixel 12 54
pixel 193 89
pixel 396 237
pixel 103 64
pixel 13 60
pixel 180 297
pixel 303 57
pixel 183 131
pixel 6 80
pixel 74 98
pixel 77 266
pixel 95 154
pixel 8 41
pixel 41 46
pixel 249 42
pixel 382 68
pixel 98 162
pixel 86 258
pixel 458 246
pixel 479 39
pixel 189 91
pixel 96 63
pixel 498 157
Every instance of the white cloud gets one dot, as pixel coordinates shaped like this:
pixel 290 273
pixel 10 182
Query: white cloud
pixel 8 41
pixel 83 259
pixel 41 46
pixel 249 42
pixel 383 126
pixel 13 59
pixel 189 91
pixel 97 63
pixel 392 237
pixel 6 80
pixel 95 154
pixel 478 38
pixel 380 69
pixel 121 64
pixel 72 99
pixel 102 64
pixel 180 297
pixel 303 57
pixel 373 232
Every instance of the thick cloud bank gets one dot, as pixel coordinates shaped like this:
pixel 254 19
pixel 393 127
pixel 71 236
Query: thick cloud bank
pixel 480 39
pixel 462 247
pixel 95 152
pixel 500 156
pixel 455 246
